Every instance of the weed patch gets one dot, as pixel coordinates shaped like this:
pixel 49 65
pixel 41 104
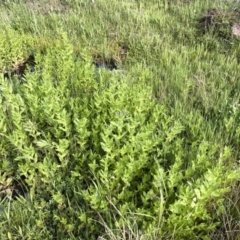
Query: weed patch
pixel 151 152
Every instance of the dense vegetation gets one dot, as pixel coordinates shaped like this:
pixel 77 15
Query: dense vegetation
pixel 119 119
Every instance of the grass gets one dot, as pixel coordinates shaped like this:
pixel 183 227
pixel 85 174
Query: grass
pixel 195 75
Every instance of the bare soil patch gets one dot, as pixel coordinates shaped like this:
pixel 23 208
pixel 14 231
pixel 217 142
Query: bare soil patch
pixel 224 23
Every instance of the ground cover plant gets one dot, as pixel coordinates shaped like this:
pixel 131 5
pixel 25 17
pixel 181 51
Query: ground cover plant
pixel 119 120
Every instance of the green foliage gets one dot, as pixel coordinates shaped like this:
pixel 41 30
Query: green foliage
pixel 98 148
pixel 150 152
pixel 14 47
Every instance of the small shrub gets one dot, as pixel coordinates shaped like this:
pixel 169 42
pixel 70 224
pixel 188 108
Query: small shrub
pixel 96 151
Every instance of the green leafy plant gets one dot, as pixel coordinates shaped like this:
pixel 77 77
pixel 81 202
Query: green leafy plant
pixel 94 150
pixel 149 151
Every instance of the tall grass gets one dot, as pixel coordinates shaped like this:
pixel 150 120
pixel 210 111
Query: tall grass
pixel 194 75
